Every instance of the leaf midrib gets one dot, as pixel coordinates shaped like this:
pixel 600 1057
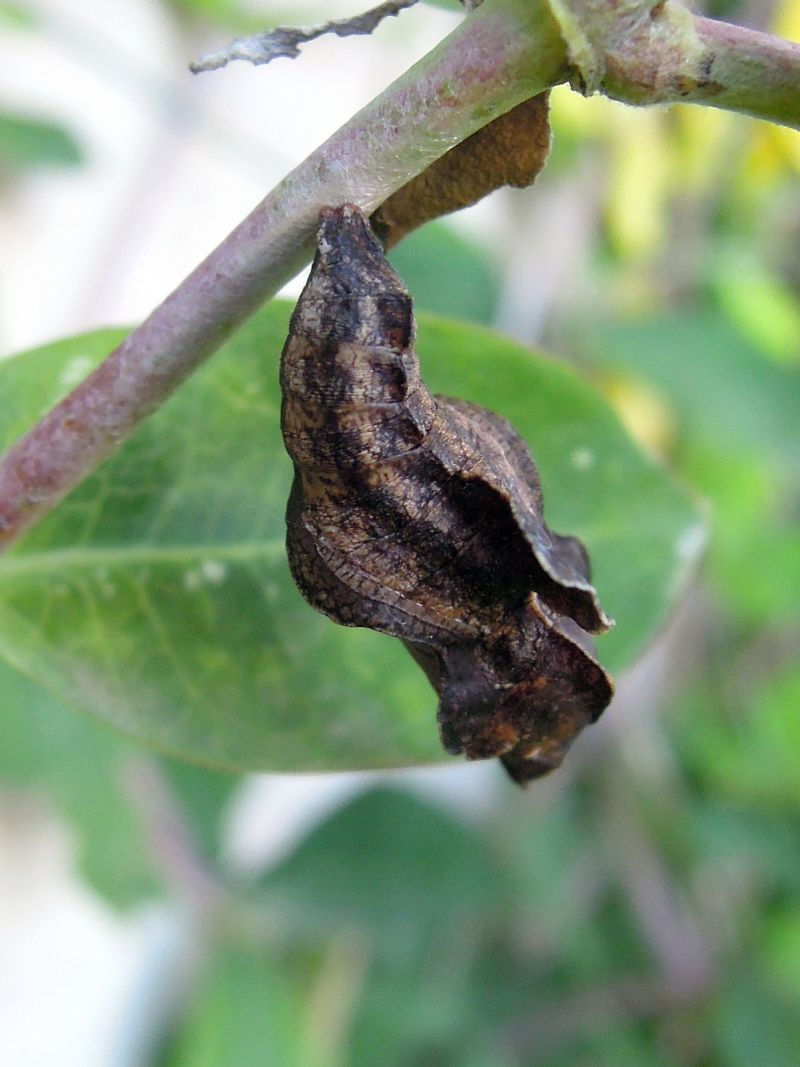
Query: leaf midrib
pixel 56 560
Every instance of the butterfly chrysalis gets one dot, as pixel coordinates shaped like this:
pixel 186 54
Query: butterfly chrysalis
pixel 420 516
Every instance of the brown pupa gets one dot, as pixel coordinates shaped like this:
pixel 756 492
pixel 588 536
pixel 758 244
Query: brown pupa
pixel 420 516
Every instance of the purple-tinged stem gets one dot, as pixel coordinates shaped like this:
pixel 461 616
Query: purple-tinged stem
pixel 759 74
pixel 505 52
pixel 655 52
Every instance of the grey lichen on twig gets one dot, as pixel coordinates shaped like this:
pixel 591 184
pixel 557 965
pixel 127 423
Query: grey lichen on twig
pixel 286 41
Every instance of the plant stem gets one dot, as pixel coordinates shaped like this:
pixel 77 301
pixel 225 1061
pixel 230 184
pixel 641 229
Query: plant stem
pixel 506 51
pixel 760 74
pixel 656 51
pixel 503 53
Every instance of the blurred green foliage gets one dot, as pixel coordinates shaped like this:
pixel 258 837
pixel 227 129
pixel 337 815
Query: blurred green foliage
pixel 16 15
pixel 643 907
pixel 244 16
pixel 27 142
pixel 425 262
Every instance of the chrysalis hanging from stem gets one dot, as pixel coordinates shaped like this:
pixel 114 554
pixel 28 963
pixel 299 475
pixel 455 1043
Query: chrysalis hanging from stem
pixel 421 517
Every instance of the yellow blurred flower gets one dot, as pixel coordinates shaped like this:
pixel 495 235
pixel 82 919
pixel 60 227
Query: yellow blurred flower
pixel 644 412
pixel 776 147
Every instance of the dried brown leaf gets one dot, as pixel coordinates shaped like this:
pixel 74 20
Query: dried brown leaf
pixel 510 150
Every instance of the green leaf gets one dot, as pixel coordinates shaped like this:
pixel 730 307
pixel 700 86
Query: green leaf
pixel 83 769
pixel 158 597
pixel 781 953
pixel 28 142
pixel 203 797
pixel 389 865
pixel 763 307
pixel 244 1014
pixel 751 1029
pixel 766 734
pixel 757 846
pixel 722 388
pixel 243 16
pixel 448 273
pixel 753 563
pixel 229 14
pixel 453 5
pixel 80 768
pixel 16 16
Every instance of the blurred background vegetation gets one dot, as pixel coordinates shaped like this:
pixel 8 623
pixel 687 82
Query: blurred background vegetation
pixel 643 906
